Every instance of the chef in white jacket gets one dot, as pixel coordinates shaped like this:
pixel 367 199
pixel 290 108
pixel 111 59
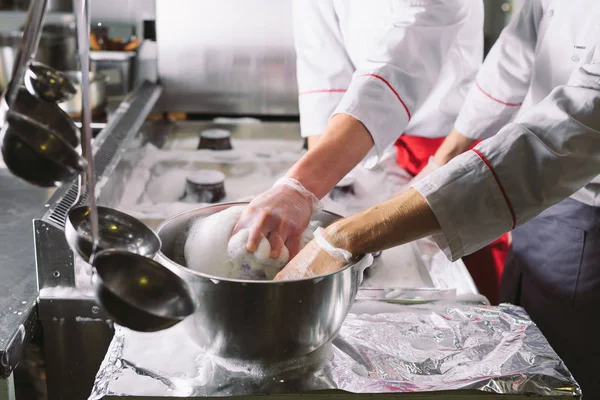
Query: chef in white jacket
pixel 401 68
pixel 547 64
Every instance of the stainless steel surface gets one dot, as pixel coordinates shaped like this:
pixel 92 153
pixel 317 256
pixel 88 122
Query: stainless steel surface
pixel 116 230
pixel 39 142
pixel 436 351
pixel 27 48
pixel 47 83
pixel 74 346
pixel 118 66
pixel 139 293
pixel 18 292
pixel 227 57
pixel 98 94
pixel 261 321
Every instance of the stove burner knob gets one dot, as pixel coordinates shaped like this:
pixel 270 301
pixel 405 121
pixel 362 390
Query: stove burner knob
pixel 215 139
pixel 344 188
pixel 205 186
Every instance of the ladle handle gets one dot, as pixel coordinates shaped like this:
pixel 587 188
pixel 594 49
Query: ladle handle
pixel 27 48
pixel 82 16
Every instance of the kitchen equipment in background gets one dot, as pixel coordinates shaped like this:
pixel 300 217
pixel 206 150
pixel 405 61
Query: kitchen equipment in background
pixel 345 187
pixel 23 5
pixel 98 94
pixel 47 83
pixel 58 46
pixel 101 41
pixel 118 66
pixel 260 321
pixel 215 139
pixel 9 45
pixel 57 49
pixel 205 186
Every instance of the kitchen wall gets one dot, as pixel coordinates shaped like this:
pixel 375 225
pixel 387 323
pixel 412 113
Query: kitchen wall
pixel 122 11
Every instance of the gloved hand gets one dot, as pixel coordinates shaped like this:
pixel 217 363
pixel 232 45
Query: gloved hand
pixel 429 168
pixel 318 257
pixel 280 215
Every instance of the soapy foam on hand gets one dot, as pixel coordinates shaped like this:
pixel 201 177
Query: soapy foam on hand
pixel 210 249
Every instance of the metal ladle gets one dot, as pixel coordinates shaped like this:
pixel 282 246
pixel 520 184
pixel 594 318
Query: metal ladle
pixel 38 139
pixel 138 292
pixel 36 153
pixel 47 83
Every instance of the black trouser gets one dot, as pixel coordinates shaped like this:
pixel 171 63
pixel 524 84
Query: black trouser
pixel 553 271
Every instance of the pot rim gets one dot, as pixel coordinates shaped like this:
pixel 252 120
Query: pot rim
pixel 94 76
pixel 318 278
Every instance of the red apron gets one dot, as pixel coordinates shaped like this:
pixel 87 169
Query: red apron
pixel 486 265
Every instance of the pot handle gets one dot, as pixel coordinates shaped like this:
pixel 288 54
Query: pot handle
pixel 361 265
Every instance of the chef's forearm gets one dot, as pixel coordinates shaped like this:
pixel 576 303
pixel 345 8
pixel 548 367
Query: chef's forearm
pixel 342 146
pixel 313 140
pixel 399 220
pixel 454 145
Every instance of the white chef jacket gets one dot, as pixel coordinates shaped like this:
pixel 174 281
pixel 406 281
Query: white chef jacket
pixel 549 152
pixel 537 52
pixel 396 65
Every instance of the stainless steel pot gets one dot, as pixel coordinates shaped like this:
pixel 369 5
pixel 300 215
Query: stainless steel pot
pixel 98 95
pixel 57 48
pixel 260 321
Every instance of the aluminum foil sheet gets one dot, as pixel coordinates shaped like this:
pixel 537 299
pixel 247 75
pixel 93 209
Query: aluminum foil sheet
pixel 382 348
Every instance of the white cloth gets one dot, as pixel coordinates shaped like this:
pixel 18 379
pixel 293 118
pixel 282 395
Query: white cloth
pixel 210 249
pixel 538 51
pixel 548 153
pixel 399 66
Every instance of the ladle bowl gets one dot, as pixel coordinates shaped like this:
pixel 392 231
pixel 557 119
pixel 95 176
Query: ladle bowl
pixel 48 84
pixel 139 293
pixel 116 231
pixel 37 154
pixel 48 114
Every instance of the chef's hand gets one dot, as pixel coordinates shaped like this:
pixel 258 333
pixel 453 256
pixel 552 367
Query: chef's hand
pixel 280 214
pixel 318 257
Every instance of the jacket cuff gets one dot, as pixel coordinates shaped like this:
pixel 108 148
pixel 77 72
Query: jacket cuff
pixel 372 101
pixel 482 115
pixel 316 108
pixel 468 203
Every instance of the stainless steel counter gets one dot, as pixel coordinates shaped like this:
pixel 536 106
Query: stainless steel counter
pixel 446 350
pixel 19 204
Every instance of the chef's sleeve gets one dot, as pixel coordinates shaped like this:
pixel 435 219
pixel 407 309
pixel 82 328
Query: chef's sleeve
pixel 548 153
pixel 323 67
pixel 403 68
pixel 503 80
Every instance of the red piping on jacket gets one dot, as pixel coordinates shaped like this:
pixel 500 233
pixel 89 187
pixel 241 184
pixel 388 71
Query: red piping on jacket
pixel 392 89
pixel 510 208
pixel 322 91
pixel 496 100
